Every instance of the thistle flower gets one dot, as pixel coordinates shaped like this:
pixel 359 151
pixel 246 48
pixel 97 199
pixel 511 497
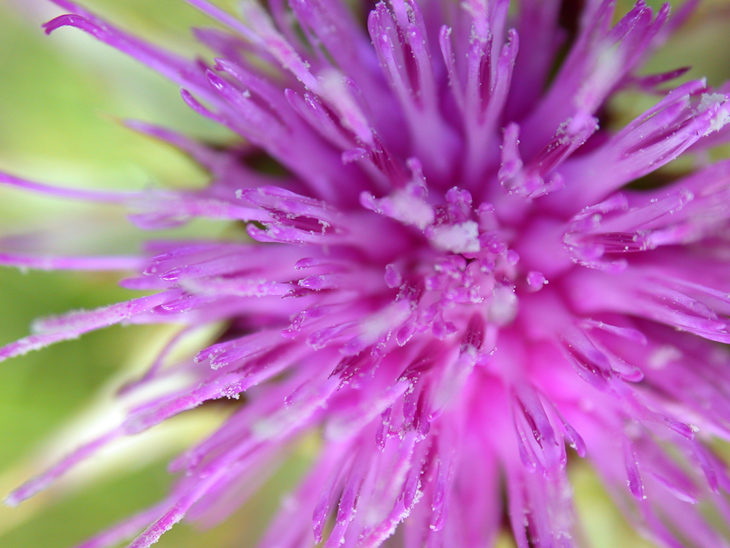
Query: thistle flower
pixel 449 277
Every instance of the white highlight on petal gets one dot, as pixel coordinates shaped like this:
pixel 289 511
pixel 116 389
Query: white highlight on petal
pixel 459 238
pixel 663 355
pixel 710 100
pixel 410 210
pixel 503 306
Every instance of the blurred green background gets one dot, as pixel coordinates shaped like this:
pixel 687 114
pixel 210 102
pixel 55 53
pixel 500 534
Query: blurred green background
pixel 60 101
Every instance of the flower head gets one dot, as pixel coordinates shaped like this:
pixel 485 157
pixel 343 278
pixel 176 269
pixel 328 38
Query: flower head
pixel 449 275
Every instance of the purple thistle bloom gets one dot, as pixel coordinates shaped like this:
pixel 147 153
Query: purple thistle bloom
pixel 457 286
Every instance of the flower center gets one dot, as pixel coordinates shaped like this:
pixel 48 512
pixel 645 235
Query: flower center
pixel 464 263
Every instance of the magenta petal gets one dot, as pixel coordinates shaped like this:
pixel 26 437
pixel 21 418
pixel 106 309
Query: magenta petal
pixel 443 276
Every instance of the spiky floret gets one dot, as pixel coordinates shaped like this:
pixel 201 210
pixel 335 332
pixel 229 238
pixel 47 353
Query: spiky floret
pixel 456 285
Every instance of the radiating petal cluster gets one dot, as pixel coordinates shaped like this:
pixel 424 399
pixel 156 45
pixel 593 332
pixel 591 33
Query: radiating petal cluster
pixel 449 276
